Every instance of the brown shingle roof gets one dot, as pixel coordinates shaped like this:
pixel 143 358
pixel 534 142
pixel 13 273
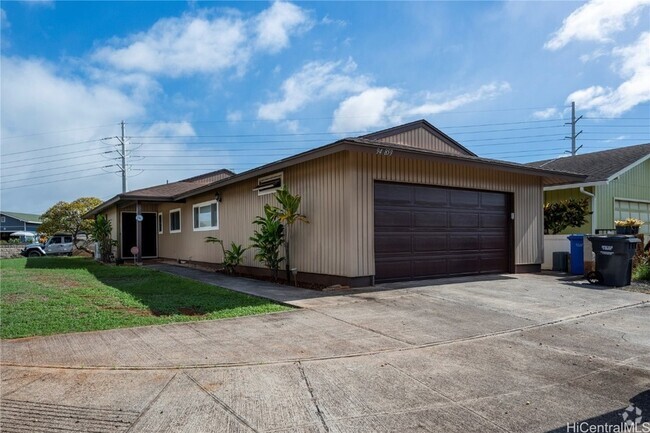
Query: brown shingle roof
pixel 170 190
pixel 598 166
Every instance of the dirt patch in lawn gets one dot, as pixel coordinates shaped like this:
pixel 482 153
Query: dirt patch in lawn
pixel 54 280
pixel 131 310
pixel 17 298
pixel 185 311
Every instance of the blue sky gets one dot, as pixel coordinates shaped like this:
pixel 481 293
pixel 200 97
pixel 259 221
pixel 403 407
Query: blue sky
pixel 209 85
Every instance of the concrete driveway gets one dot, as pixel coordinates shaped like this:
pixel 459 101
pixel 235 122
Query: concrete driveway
pixel 507 353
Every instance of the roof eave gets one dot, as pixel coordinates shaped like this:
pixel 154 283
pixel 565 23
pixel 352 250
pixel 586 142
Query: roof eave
pixel 551 176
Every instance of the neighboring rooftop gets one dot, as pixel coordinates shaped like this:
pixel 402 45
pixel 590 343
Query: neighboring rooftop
pixel 598 166
pixel 26 217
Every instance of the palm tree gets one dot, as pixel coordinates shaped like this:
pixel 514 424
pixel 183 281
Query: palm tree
pixel 288 214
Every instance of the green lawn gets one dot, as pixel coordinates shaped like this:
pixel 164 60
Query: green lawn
pixel 52 295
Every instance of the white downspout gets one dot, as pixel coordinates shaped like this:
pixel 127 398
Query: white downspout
pixel 593 208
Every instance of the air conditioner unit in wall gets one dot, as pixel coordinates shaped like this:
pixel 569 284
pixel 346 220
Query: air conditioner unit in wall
pixel 269 184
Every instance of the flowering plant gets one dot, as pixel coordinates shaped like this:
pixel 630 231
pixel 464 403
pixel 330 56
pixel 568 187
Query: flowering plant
pixel 630 222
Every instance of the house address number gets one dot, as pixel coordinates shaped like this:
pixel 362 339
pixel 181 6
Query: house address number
pixel 384 151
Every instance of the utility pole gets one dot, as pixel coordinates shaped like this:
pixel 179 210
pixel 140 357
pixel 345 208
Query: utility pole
pixel 122 141
pixel 573 129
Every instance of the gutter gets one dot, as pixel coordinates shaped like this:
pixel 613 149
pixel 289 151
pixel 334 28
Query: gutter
pixel 594 214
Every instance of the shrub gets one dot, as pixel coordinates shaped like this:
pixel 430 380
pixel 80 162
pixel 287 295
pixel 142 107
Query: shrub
pixel 564 214
pixel 641 271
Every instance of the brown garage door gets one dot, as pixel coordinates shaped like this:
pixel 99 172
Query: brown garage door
pixel 428 232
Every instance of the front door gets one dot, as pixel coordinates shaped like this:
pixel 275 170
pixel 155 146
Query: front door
pixel 149 234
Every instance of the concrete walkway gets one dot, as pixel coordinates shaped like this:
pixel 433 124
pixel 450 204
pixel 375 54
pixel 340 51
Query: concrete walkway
pixel 512 353
pixel 263 289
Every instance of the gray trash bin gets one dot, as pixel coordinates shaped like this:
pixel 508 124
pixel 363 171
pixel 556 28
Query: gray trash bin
pixel 613 259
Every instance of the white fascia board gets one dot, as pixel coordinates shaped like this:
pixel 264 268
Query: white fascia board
pixel 574 185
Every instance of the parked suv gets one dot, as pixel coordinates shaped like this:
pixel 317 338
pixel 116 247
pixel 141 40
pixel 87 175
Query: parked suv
pixel 58 245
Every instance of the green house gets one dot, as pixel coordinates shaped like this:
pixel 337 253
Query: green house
pixel 617 186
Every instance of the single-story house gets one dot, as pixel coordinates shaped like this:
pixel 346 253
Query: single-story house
pixel 11 222
pixel 617 186
pixel 404 203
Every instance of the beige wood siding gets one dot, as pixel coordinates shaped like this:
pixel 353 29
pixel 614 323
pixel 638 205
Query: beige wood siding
pixel 366 168
pixel 318 247
pixel 338 197
pixel 422 139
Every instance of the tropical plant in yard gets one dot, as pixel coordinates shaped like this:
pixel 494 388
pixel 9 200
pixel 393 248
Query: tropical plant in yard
pixel 232 257
pixel 564 214
pixel 288 214
pixel 268 238
pixel 101 233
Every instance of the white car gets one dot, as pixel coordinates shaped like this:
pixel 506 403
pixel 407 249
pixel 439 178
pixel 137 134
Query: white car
pixel 57 245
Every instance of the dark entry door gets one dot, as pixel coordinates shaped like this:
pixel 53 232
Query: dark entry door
pixel 149 234
pixel 429 232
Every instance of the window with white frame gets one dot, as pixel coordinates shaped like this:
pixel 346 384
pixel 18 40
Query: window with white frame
pixel 160 223
pixel 269 184
pixel 206 216
pixel 175 221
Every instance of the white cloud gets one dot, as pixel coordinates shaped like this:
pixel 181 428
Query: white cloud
pixel 485 92
pixel 4 22
pixel 181 46
pixel 51 130
pixel 365 110
pixel 199 42
pixel 234 116
pixel 547 113
pixel 275 25
pixel 634 67
pixel 596 20
pixel 36 98
pixel 315 81
pixel 379 106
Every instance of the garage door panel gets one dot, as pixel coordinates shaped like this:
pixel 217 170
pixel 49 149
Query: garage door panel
pixel 394 244
pixel 392 218
pixel 494 200
pixel 463 265
pixel 463 220
pixel 394 194
pixel 492 263
pixel 428 196
pixel 464 242
pixel 464 199
pixel 431 267
pixel 429 219
pixel 493 221
pixel 424 243
pixel 493 242
pixel 393 270
pixel 440 232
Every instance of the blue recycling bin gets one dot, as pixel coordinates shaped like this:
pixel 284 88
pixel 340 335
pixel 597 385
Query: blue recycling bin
pixel 577 254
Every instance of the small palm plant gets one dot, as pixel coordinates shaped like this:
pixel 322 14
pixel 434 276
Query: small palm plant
pixel 232 257
pixel 268 238
pixel 288 214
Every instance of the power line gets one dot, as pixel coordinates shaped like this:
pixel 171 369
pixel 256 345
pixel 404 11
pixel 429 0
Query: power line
pixel 56 132
pixel 21 165
pixel 51 147
pixel 58 174
pixel 57 180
